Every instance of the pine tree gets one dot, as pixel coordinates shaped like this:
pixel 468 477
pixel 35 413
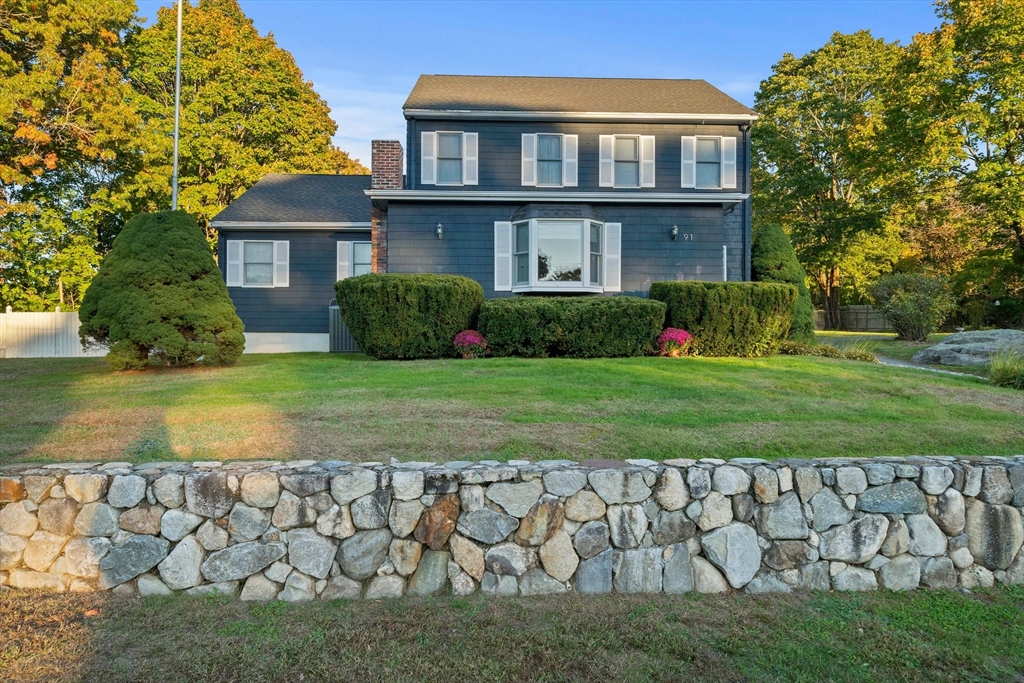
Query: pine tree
pixel 160 295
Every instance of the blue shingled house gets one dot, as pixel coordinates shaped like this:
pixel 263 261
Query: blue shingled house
pixel 527 185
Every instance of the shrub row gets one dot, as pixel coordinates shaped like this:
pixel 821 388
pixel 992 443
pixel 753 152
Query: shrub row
pixel 394 316
pixel 577 327
pixel 729 318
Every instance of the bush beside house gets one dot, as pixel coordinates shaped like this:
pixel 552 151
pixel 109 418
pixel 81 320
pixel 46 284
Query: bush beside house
pixel 772 259
pixel 577 327
pixel 407 316
pixel 159 294
pixel 729 318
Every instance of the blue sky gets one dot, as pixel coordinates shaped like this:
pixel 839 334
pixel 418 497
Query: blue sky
pixel 364 57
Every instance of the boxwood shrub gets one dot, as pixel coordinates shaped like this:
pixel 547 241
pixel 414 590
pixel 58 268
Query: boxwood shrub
pixel 729 318
pixel 400 316
pixel 577 327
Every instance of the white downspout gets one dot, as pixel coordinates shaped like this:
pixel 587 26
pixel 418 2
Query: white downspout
pixel 725 264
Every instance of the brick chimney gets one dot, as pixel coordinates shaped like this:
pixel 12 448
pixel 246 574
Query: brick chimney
pixel 388 166
pixel 388 169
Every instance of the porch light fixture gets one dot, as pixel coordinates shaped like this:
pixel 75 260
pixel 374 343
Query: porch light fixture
pixel 440 231
pixel 674 232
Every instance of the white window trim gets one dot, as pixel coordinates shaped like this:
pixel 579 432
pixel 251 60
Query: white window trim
pixel 470 162
pixel 352 256
pixel 273 265
pixel 530 159
pixel 640 184
pixel 721 162
pixel 536 285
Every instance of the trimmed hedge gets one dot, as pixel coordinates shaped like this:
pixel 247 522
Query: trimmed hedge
pixel 772 259
pixel 729 318
pixel 577 327
pixel 399 316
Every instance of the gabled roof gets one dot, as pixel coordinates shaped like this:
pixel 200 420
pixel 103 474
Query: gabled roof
pixel 300 198
pixel 627 96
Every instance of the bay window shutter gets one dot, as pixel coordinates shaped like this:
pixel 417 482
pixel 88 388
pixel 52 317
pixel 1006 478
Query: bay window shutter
pixel 729 163
pixel 606 175
pixel 428 158
pixel 613 257
pixel 529 158
pixel 234 263
pixel 689 161
pixel 570 166
pixel 281 264
pixel 646 161
pixel 344 260
pixel 469 158
pixel 502 256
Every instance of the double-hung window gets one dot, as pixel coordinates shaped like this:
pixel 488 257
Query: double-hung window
pixel 549 160
pixel 626 161
pixel 554 254
pixel 448 158
pixel 708 162
pixel 354 258
pixel 256 263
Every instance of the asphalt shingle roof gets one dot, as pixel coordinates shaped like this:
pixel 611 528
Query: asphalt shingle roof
pixel 302 198
pixel 545 94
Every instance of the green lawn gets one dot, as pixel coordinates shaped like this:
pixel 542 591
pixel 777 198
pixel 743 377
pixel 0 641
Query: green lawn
pixel 342 406
pixel 920 636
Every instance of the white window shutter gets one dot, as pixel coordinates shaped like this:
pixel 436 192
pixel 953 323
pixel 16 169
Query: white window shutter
pixel 502 256
pixel 607 164
pixel 529 158
pixel 646 161
pixel 470 157
pixel 234 263
pixel 281 264
pixel 428 158
pixel 729 163
pixel 570 165
pixel 688 162
pixel 344 259
pixel 613 257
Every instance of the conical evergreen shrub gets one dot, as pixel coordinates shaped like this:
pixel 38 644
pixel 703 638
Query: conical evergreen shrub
pixel 772 259
pixel 159 295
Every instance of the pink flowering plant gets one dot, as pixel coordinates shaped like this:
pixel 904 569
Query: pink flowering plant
pixel 470 344
pixel 674 342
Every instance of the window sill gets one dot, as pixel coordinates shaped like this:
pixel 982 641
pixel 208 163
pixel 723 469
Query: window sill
pixel 554 289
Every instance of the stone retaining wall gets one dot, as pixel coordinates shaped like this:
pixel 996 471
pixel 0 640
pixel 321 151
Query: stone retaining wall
pixel 304 530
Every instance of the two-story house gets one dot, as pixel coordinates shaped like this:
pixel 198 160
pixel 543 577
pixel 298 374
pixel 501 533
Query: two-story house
pixel 527 185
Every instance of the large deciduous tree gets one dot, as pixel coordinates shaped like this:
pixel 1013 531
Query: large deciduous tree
pixel 960 117
pixel 819 168
pixel 68 138
pixel 246 109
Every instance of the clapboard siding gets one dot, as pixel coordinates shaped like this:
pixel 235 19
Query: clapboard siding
pixel 302 306
pixel 648 253
pixel 500 152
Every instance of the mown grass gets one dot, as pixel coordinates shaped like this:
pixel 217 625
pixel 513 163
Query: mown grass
pixel 336 406
pixel 922 636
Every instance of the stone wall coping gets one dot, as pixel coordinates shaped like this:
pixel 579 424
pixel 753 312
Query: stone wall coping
pixel 486 468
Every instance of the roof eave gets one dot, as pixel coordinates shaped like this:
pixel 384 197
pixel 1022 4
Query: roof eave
pixel 292 225
pixel 413 112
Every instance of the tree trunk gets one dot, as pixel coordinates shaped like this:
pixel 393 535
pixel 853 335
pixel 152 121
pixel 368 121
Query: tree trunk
pixel 828 286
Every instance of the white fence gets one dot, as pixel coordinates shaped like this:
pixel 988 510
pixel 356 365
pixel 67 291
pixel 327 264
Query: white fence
pixel 42 335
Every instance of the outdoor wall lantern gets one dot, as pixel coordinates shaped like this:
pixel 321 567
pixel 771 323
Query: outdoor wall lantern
pixel 675 232
pixel 440 231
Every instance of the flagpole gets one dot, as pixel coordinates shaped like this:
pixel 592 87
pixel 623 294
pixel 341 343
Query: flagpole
pixel 177 111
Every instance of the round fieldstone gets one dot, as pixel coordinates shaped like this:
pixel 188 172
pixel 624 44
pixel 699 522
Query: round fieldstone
pixel 15 519
pixel 169 490
pixel 729 480
pixel 310 553
pixel 486 526
pixel 564 483
pixel 361 554
pixel 617 486
pixel 584 506
pixel 734 550
pixel 247 523
pixel 126 490
pixel 260 489
pixel 515 499
pixel 177 524
pixel 97 519
pixel 468 555
pixel 558 557
pixel 181 568
pixel 83 556
pixel 336 522
pixel 58 515
pixel 242 560
pixel 670 492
